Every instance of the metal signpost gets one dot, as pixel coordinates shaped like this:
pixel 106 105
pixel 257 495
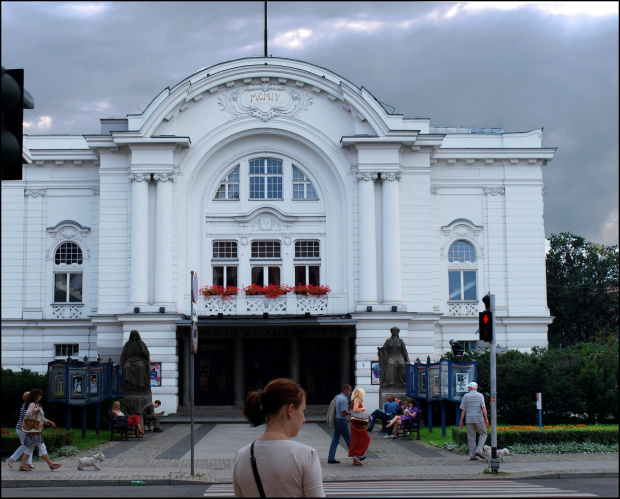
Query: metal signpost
pixel 494 457
pixel 194 334
pixel 539 407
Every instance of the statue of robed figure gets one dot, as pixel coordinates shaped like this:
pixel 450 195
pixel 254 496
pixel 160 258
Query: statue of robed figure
pixel 393 358
pixel 136 360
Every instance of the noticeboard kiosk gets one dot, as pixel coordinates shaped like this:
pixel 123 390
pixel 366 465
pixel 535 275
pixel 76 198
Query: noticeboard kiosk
pixel 443 381
pixel 77 383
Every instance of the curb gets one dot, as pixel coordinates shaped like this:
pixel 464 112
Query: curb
pixel 176 481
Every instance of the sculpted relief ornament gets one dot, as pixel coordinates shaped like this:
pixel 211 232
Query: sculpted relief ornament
pixel 265 101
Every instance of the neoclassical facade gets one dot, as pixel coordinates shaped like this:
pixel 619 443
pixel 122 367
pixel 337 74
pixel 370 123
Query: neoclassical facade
pixel 271 171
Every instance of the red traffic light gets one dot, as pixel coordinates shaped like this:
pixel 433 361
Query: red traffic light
pixel 486 319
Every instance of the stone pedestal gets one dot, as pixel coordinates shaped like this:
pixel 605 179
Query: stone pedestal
pixel 399 391
pixel 133 403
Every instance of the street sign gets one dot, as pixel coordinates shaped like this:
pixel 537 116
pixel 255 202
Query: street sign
pixel 195 337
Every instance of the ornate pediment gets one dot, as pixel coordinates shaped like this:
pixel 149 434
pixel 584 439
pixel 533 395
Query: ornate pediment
pixel 265 101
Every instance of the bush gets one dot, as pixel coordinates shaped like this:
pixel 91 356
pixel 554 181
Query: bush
pixel 593 434
pixel 578 383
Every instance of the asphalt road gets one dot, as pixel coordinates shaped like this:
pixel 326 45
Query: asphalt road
pixel 601 487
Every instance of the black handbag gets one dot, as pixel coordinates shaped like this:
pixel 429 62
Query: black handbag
pixel 255 470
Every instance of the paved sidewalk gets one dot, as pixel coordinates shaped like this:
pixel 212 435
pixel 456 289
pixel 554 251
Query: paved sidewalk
pixel 165 459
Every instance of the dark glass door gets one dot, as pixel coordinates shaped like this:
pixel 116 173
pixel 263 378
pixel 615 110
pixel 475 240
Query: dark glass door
pixel 320 369
pixel 265 360
pixel 213 370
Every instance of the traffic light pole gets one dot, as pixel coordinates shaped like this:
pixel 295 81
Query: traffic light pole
pixel 494 458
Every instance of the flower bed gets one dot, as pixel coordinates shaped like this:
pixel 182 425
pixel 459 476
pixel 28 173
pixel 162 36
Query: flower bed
pixel 511 435
pixel 216 290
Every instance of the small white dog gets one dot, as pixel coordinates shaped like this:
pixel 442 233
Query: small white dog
pixel 500 453
pixel 91 461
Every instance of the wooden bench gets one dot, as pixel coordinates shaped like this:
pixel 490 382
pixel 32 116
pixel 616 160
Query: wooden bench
pixel 408 426
pixel 120 426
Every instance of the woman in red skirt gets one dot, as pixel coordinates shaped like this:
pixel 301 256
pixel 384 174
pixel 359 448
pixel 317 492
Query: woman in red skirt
pixel 360 439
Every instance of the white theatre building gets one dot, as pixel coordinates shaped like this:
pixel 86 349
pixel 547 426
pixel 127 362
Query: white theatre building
pixel 270 170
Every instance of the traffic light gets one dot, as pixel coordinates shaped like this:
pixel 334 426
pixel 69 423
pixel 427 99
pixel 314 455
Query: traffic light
pixel 486 326
pixel 14 100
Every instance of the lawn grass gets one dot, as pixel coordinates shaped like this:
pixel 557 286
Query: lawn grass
pixel 435 438
pixel 91 440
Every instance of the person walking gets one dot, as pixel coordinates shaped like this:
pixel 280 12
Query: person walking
pixel 341 424
pixel 360 439
pixel 18 429
pixel 473 405
pixel 33 437
pixel 274 465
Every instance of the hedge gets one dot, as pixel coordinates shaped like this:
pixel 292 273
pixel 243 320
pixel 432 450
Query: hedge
pixel 545 436
pixel 53 439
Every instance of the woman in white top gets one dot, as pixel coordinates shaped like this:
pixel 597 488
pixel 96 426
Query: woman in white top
pixel 286 468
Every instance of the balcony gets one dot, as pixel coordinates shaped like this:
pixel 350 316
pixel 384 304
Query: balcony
pixel 463 308
pixel 68 311
pixel 288 304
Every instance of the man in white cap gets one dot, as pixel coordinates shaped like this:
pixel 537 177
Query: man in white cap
pixel 473 405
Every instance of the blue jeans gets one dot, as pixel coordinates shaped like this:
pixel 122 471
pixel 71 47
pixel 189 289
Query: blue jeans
pixel 341 428
pixel 385 418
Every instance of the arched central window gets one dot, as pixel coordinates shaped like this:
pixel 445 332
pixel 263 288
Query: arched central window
pixel 461 274
pixel 68 274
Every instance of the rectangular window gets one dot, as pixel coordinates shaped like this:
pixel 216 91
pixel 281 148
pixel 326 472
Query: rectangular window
pixel 306 249
pixel 307 274
pixel 265 249
pixel 67 294
pixel 225 276
pixel 224 249
pixel 265 179
pixel 462 285
pixel 70 349
pixel 272 273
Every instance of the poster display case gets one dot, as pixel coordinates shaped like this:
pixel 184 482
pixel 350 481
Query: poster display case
pixel 78 383
pixel 443 380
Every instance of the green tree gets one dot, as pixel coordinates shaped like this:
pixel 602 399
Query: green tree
pixel 582 289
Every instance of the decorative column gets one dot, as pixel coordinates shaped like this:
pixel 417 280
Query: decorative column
pixel 367 239
pixel 391 238
pixel 163 238
pixel 34 255
pixel 139 252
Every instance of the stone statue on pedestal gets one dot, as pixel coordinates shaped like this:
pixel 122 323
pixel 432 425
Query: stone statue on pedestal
pixel 393 358
pixel 136 360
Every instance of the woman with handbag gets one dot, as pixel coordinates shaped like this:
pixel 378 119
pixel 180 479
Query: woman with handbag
pixel 359 418
pixel 33 427
pixel 274 465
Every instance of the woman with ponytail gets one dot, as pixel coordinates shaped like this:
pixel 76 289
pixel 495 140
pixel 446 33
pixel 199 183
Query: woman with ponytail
pixel 274 465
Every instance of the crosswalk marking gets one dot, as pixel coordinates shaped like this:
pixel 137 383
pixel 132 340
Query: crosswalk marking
pixel 434 488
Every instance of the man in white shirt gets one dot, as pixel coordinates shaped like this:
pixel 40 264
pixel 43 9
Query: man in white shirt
pixel 473 405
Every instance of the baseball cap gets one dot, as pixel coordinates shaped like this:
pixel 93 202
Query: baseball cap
pixel 473 384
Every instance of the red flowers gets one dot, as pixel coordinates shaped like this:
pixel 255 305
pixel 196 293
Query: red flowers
pixel 217 290
pixel 271 291
pixel 309 289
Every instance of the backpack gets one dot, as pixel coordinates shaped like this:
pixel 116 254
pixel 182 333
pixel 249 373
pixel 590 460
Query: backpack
pixel 331 412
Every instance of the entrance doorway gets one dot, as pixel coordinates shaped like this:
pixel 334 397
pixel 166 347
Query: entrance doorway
pixel 214 373
pixel 265 360
pixel 320 369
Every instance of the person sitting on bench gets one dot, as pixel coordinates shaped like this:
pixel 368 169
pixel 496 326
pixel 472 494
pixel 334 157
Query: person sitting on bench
pixel 148 412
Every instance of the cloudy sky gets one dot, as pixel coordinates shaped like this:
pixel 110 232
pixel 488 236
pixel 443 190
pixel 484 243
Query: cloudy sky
pixel 515 65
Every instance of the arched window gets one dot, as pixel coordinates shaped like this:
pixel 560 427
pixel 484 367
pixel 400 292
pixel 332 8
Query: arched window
pixel 302 187
pixel 229 188
pixel 68 274
pixel 462 272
